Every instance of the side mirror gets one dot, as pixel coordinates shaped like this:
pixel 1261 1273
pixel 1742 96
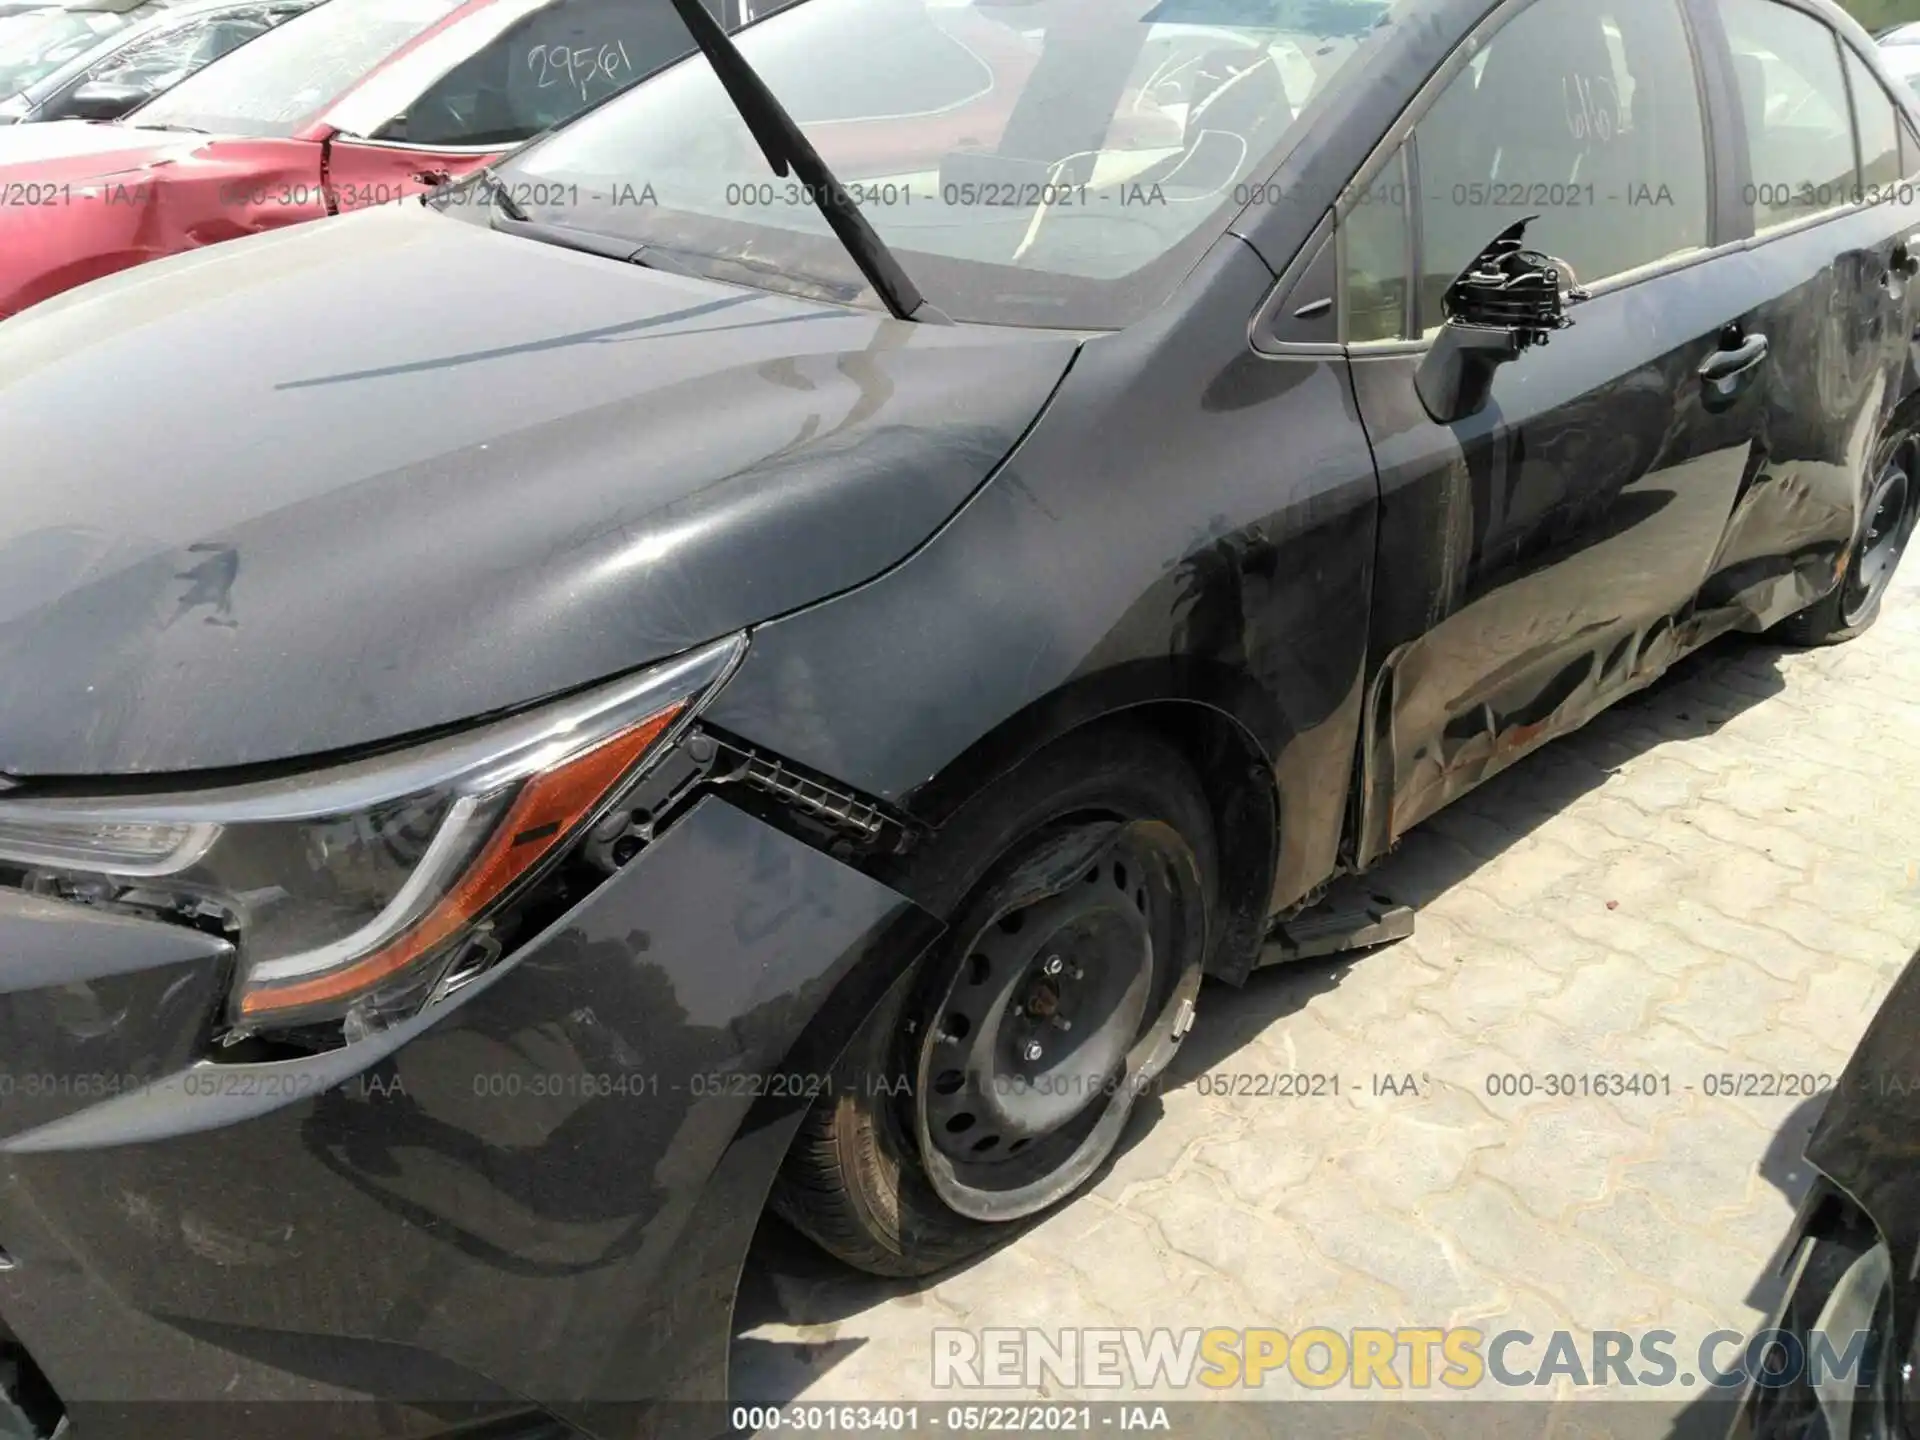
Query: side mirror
pixel 103 100
pixel 1507 301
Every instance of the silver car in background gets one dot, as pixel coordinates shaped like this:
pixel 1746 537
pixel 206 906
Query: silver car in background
pixel 152 48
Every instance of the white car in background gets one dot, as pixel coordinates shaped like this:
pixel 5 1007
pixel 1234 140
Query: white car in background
pixel 1900 48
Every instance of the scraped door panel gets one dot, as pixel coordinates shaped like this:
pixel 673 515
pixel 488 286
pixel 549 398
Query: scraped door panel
pixel 1837 306
pixel 1536 559
pixel 1830 279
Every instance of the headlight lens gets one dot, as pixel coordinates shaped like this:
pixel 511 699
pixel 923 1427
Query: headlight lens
pixel 359 893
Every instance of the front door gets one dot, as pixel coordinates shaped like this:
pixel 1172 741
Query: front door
pixel 1537 559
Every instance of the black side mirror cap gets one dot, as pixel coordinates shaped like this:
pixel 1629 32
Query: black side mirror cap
pixel 1507 301
pixel 1455 381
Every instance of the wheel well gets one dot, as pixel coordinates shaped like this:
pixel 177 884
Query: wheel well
pixel 1241 793
pixel 1237 784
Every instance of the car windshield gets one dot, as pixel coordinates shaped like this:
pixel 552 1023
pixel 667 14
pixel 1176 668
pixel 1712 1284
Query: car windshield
pixel 1042 162
pixel 171 50
pixel 35 43
pixel 271 85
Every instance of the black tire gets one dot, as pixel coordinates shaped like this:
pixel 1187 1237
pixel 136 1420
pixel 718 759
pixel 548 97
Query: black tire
pixel 854 1180
pixel 1891 504
pixel 28 1405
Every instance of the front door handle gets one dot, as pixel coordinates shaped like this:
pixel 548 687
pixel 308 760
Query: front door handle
pixel 1727 373
pixel 433 177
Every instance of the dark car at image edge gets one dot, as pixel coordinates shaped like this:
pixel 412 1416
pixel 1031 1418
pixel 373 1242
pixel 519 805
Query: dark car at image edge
pixel 644 687
pixel 1835 1360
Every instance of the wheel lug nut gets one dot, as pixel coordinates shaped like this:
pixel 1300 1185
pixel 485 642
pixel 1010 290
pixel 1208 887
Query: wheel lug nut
pixel 1054 965
pixel 1033 1051
pixel 1060 1022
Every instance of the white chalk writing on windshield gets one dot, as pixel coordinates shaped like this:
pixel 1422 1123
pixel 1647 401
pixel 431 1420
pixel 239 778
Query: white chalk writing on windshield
pixel 578 65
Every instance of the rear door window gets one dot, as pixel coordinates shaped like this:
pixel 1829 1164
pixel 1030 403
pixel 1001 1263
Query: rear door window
pixel 1793 95
pixel 1879 127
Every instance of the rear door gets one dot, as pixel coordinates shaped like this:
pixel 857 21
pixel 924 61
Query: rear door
pixel 1538 559
pixel 1822 184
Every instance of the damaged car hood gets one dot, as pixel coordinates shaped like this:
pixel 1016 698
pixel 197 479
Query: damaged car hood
pixel 348 481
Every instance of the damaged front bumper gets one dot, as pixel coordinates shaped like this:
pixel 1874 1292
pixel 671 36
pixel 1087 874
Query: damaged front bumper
pixel 528 1204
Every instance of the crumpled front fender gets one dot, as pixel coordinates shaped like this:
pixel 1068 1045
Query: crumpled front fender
pixel 540 1193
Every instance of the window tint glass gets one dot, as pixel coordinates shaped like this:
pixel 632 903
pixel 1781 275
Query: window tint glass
pixel 269 86
pixel 1379 260
pixel 1799 136
pixel 1585 113
pixel 545 67
pixel 1879 127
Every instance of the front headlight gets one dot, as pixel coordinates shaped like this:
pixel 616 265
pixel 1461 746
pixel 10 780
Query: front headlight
pixel 359 893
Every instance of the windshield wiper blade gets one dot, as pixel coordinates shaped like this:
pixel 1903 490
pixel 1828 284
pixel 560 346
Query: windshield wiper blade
pixel 789 151
pixel 502 197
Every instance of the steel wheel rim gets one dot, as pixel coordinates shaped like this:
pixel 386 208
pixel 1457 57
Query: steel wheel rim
pixel 1004 1132
pixel 1877 552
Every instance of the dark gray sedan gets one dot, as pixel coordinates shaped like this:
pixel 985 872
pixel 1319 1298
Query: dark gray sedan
pixel 756 651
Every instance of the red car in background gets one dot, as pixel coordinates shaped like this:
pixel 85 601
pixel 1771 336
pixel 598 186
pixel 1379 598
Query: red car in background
pixel 354 103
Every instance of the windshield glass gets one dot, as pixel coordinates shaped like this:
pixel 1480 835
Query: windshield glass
pixel 1043 162
pixel 272 84
pixel 173 50
pixel 38 42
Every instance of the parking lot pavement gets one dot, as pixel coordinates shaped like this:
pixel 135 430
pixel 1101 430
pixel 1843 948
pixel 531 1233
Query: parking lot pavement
pixel 1719 879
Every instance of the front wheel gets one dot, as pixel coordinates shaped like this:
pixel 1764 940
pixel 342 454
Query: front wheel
pixel 996 1077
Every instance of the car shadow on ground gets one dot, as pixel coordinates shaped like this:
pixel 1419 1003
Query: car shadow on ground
pixel 791 1284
